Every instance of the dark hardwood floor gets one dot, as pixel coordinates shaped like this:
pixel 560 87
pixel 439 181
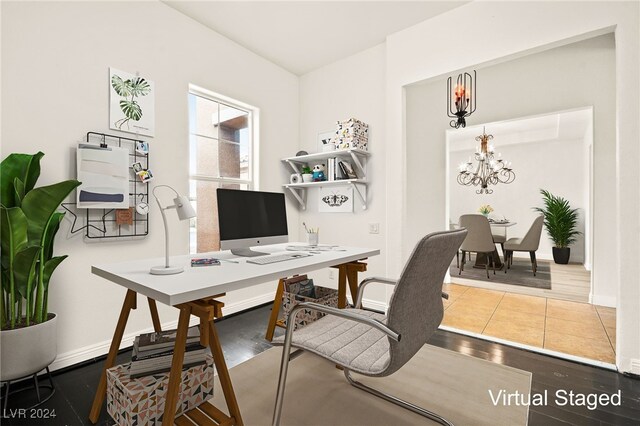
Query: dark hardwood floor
pixel 242 337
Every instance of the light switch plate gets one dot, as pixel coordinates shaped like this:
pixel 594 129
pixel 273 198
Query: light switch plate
pixel 374 228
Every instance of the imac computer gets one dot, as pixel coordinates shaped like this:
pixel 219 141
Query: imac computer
pixel 251 218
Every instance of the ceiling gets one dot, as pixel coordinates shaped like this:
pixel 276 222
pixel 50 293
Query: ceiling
pixel 553 127
pixel 301 36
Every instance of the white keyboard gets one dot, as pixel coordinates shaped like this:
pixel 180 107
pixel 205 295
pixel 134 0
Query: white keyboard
pixel 273 258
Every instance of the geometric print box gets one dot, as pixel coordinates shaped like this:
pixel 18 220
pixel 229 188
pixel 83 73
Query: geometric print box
pixel 137 402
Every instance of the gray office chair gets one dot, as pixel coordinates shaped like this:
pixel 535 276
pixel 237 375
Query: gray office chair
pixel 530 242
pixel 479 239
pixel 369 343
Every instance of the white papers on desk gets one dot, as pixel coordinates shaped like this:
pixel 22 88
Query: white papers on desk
pixel 104 174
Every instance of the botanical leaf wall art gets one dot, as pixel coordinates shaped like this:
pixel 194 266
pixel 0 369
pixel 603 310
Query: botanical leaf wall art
pixel 132 103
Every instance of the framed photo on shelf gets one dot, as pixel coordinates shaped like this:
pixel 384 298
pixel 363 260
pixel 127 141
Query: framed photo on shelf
pixel 326 141
pixel 347 170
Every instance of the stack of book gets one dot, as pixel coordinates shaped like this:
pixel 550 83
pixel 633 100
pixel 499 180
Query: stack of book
pixel 338 170
pixel 153 352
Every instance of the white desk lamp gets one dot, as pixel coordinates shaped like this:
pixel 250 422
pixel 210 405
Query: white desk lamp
pixel 185 211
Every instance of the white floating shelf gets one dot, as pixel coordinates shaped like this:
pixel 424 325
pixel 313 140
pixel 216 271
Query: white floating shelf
pixel 329 154
pixel 325 183
pixel 357 157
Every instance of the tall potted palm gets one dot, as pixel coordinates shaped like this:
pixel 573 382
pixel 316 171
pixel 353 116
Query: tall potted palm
pixel 561 222
pixel 28 225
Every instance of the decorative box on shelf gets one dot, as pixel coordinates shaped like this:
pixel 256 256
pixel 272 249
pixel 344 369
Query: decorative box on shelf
pixel 141 401
pixel 352 134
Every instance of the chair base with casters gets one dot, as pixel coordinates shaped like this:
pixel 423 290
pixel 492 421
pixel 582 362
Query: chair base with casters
pixel 35 386
pixel 509 261
pixel 490 258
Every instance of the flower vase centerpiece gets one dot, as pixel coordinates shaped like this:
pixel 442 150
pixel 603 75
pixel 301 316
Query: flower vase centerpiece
pixel 485 210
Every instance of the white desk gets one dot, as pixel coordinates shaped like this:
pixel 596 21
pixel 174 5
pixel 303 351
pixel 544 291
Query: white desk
pixel 204 281
pixel 193 293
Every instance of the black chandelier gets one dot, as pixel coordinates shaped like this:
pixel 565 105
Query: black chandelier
pixel 489 171
pixel 463 97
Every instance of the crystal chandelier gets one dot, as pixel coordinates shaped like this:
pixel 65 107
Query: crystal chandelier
pixel 489 171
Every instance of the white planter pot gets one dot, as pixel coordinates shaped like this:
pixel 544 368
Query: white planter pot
pixel 25 351
pixel 307 177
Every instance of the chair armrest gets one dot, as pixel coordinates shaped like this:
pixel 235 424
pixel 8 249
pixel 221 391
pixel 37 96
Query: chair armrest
pixel 368 281
pixel 342 313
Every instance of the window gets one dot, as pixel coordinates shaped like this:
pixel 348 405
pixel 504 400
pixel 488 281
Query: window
pixel 220 156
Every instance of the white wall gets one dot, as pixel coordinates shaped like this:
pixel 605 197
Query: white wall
pixel 55 61
pixel 349 88
pixel 431 49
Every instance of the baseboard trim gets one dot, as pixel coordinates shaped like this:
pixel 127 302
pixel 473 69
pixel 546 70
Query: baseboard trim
pixel 375 304
pixel 609 301
pixel 102 348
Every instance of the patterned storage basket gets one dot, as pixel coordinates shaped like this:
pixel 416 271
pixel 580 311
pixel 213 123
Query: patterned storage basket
pixel 324 296
pixel 141 401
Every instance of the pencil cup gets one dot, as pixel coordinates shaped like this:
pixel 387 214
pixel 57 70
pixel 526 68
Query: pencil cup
pixel 312 238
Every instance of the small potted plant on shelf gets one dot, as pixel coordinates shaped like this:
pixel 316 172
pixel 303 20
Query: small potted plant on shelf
pixel 485 209
pixel 307 174
pixel 561 222
pixel 29 223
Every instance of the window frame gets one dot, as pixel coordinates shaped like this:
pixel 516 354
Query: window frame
pixel 251 182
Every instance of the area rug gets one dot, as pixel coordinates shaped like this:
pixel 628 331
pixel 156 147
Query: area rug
pixel 520 274
pixel 451 384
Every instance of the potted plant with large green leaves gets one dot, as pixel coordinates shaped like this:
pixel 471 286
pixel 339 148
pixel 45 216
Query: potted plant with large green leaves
pixel 29 222
pixel 561 222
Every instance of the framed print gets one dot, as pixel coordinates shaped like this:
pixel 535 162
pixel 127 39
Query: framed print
pixel 327 141
pixel 336 200
pixel 347 170
pixel 131 106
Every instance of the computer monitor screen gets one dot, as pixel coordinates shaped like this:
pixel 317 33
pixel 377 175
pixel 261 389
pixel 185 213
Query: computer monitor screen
pixel 251 218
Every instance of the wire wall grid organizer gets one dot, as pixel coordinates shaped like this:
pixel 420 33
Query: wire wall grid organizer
pixel 101 223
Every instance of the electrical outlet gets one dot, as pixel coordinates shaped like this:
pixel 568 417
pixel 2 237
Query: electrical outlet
pixel 374 228
pixel 332 274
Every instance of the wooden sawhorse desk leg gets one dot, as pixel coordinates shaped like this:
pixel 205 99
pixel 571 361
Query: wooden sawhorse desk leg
pixel 101 392
pixel 207 310
pixel 275 310
pixel 347 272
pixel 153 308
pixel 352 277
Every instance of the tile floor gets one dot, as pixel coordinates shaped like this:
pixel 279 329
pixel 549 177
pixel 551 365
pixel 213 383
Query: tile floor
pixel 570 327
